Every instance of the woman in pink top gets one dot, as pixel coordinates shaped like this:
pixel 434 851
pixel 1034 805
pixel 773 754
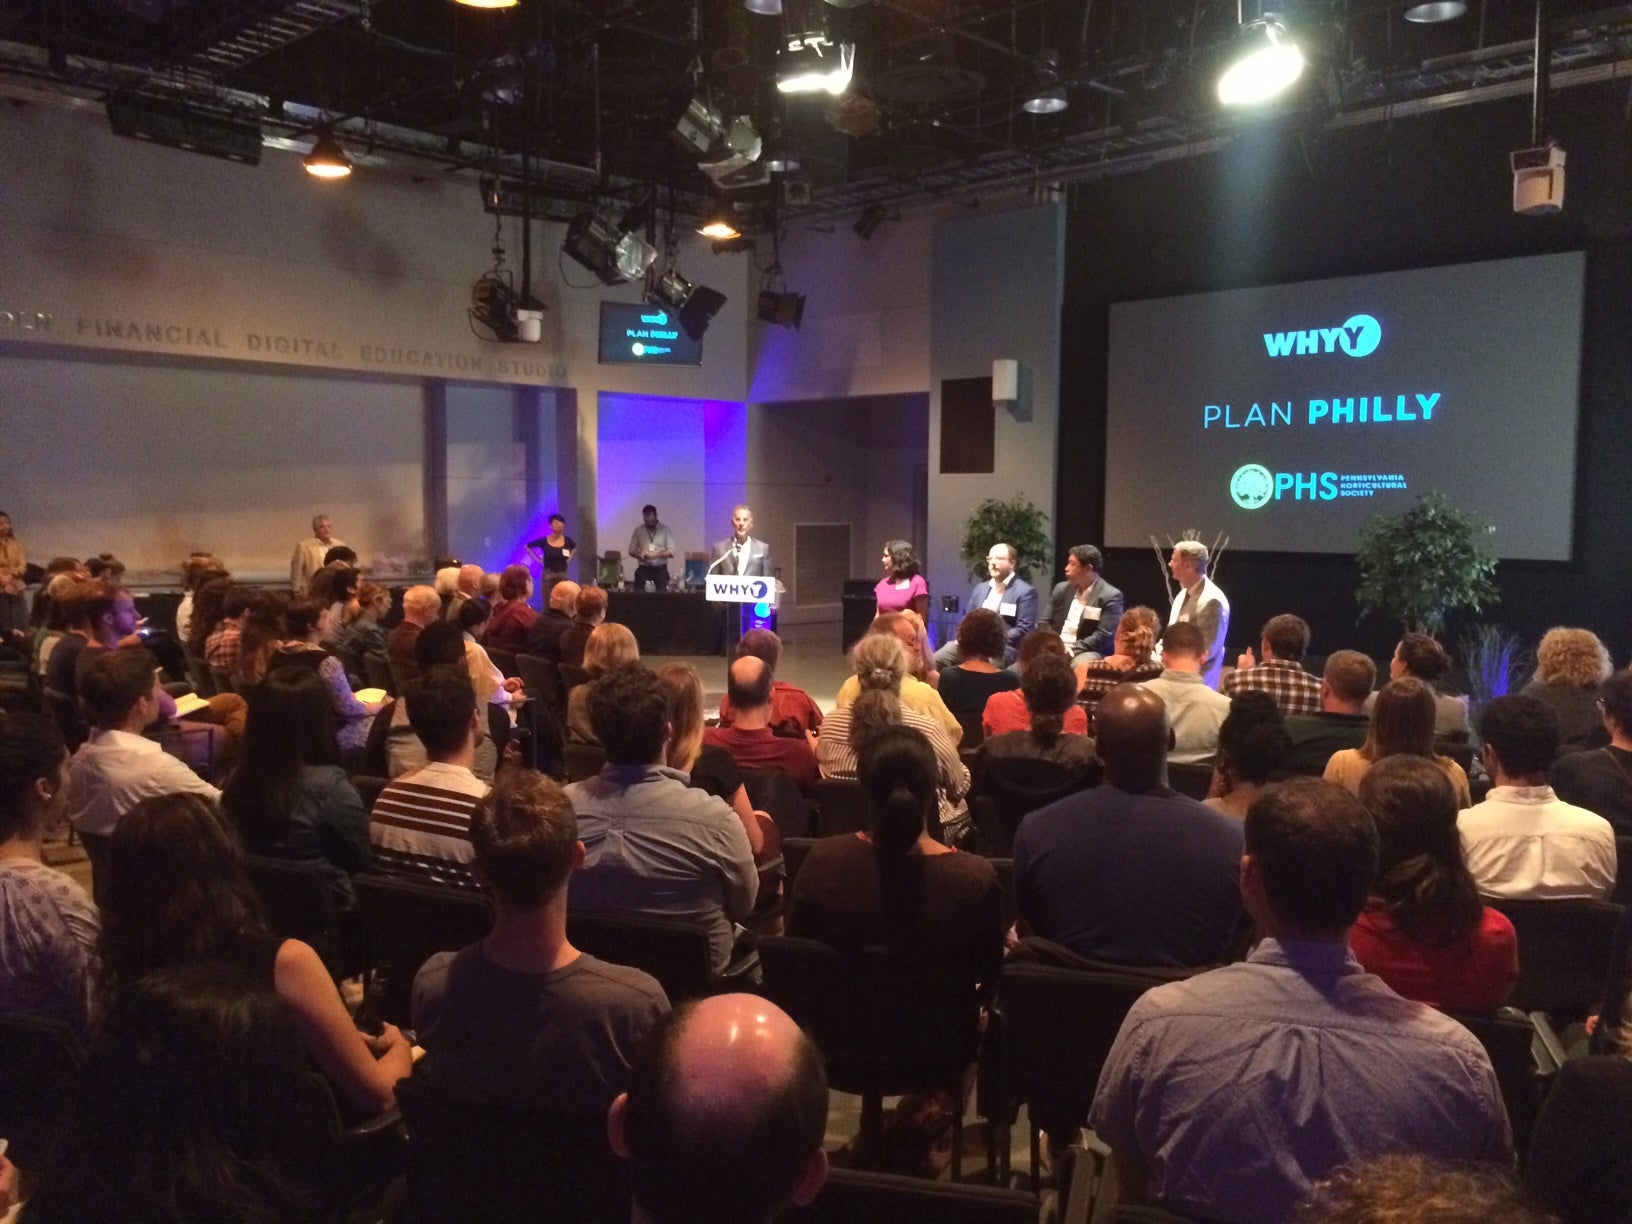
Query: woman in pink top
pixel 902 589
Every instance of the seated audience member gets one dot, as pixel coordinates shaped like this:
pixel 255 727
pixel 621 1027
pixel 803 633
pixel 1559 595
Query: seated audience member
pixel 177 894
pixel 608 647
pixel 793 713
pixel 1405 1189
pixel 916 694
pixel 47 924
pixel 118 766
pixel 966 685
pixel 1284 642
pixel 264 634
pixel 289 798
pixel 896 886
pixel 1131 872
pixel 190 1108
pixel 1007 712
pixel 1049 688
pixel 1524 841
pixel 360 634
pixel 492 686
pixel 105 567
pixel 652 844
pixel 707 767
pixel 725 1115
pixel 221 647
pixel 1570 665
pixel 589 612
pixel 1402 721
pixel 1424 930
pixel 97 615
pixel 51 610
pixel 1208 1101
pixel 446 582
pixel 881 674
pixel 523 1018
pixel 323 588
pixel 420 824
pixel 1342 722
pixel 342 602
pixel 544 634
pixel 198 569
pixel 1133 659
pixel 420 607
pixel 300 649
pixel 1194 711
pixel 507 628
pixel 1252 751
pixel 1600 779
pixel 490 586
pixel 749 739
pixel 467 586
pixel 1420 656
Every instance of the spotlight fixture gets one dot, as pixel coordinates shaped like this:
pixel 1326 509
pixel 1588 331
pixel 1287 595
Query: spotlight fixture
pixel 327 159
pixel 1443 10
pixel 486 4
pixel 782 309
pixel 1266 63
pixel 495 304
pixel 720 224
pixel 730 246
pixel 726 148
pixel 702 304
pixel 871 218
pixel 614 257
pixel 1047 94
pixel 671 289
pixel 813 63
pixel 765 8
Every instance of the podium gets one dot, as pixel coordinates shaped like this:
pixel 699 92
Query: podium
pixel 756 599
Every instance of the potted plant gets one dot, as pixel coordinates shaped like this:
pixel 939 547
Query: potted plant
pixel 1017 522
pixel 1420 565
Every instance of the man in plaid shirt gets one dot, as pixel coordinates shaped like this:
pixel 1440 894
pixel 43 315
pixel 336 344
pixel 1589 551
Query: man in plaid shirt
pixel 1281 674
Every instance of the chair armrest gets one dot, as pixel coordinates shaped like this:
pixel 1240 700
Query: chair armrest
pixel 379 1124
pixel 1545 1047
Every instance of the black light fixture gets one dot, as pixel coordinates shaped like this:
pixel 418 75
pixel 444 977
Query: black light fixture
pixel 328 159
pixel 699 311
pixel 614 256
pixel 782 309
pixel 873 216
pixel 1442 10
pixel 732 246
pixel 726 148
pixel 1047 96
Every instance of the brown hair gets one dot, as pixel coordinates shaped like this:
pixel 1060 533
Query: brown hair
pixel 1402 721
pixel 1572 656
pixel 513 582
pixel 1138 630
pixel 609 645
pixel 1287 635
pixel 1351 674
pixel 684 689
pixel 980 635
pixel 591 601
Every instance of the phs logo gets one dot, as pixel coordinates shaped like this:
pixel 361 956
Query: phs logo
pixel 1358 337
pixel 1254 486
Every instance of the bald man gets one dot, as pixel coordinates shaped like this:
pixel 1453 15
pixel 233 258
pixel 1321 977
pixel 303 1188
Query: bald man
pixel 1131 872
pixel 724 1118
pixel 544 635
pixel 749 739
pixel 421 606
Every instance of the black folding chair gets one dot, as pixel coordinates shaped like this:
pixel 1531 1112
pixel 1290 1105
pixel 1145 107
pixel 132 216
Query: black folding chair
pixel 673 951
pixel 40 1064
pixel 377 671
pixel 1192 780
pixel 505 661
pixel 405 923
pixel 841 807
pixel 774 792
pixel 199 673
pixel 1005 790
pixel 1623 871
pixel 299 902
pixel 583 760
pixel 542 679
pixel 1565 949
pixel 1525 1054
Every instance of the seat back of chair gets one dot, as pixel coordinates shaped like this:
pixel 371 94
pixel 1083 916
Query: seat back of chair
pixel 1007 789
pixel 198 672
pixel 222 679
pixel 406 922
pixel 64 710
pixel 1192 780
pixel 1565 948
pixel 886 1023
pixel 583 760
pixel 774 792
pixel 673 951
pixel 475 1162
pixel 794 852
pixel 40 1063
pixel 368 787
pixel 377 671
pixel 1623 871
pixel 542 679
pixel 841 807
pixel 1507 1037
pixel 852 1196
pixel 974 730
pixel 299 903
pixel 376 760
pixel 505 661
pixel 572 675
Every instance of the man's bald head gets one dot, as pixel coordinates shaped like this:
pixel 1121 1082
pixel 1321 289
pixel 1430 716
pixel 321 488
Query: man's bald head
pixel 749 687
pixel 725 1115
pixel 564 597
pixel 1131 729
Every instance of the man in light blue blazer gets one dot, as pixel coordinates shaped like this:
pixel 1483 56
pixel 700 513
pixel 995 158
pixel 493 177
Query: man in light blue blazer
pixel 1006 593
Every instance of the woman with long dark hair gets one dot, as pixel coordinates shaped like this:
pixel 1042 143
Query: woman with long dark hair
pixel 1425 931
pixel 1253 747
pixel 300 651
pixel 1421 656
pixel 289 798
pixel 1049 688
pixel 902 589
pixel 1402 723
pixel 176 893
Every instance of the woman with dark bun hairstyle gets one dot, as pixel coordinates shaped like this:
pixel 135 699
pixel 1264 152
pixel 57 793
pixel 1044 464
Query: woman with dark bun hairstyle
pixel 1421 656
pixel 895 886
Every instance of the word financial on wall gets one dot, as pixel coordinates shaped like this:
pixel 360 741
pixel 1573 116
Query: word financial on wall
pixel 1350 410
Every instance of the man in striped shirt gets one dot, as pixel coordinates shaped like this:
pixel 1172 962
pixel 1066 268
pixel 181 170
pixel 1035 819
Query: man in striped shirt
pixel 420 826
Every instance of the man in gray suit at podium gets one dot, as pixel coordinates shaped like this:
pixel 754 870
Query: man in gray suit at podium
pixel 742 555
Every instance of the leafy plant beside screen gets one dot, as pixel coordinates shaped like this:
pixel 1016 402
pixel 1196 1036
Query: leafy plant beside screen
pixel 1017 522
pixel 1424 563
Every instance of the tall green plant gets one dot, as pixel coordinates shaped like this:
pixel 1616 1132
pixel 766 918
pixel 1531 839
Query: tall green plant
pixel 1017 522
pixel 1420 565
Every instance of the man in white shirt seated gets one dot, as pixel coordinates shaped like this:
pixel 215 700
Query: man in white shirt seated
pixel 118 766
pixel 1195 710
pixel 1524 842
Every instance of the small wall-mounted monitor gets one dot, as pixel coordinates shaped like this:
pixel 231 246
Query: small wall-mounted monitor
pixel 633 333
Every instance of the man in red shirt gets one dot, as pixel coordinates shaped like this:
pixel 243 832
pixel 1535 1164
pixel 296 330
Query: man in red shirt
pixel 793 713
pixel 749 739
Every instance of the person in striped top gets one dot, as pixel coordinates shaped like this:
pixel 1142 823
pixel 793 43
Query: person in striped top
pixel 420 825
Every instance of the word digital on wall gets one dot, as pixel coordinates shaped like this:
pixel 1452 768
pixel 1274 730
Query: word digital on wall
pixel 1285 416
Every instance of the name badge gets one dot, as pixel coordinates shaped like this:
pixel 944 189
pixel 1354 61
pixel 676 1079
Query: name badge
pixel 1008 609
pixel 1093 613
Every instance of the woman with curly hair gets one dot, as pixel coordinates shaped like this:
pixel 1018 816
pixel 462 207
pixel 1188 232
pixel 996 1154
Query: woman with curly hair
pixel 967 686
pixel 1421 656
pixel 902 589
pixel 1424 930
pixel 1570 665
pixel 1132 661
pixel 1401 723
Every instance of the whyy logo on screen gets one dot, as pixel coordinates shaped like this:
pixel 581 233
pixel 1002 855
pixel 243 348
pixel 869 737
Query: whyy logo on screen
pixel 1359 336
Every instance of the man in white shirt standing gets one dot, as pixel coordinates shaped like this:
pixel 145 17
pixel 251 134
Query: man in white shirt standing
pixel 118 767
pixel 1201 603
pixel 1524 842
pixel 308 558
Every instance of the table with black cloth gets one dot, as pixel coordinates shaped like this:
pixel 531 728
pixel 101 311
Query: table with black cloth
pixel 670 622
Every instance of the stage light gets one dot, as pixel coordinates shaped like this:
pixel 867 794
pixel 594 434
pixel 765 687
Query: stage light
pixel 1267 61
pixel 672 289
pixel 782 309
pixel 765 8
pixel 1443 10
pixel 702 304
pixel 486 4
pixel 725 148
pixel 871 218
pixel 1047 95
pixel 613 256
pixel 720 224
pixel 327 159
pixel 813 63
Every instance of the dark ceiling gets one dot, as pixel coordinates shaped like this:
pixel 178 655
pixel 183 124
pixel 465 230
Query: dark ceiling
pixel 592 88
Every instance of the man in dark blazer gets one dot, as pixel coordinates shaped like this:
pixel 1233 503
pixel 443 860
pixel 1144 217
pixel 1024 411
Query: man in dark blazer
pixel 1006 593
pixel 1085 608
pixel 742 555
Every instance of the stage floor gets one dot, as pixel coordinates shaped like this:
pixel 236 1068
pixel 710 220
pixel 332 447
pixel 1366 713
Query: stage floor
pixel 811 660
